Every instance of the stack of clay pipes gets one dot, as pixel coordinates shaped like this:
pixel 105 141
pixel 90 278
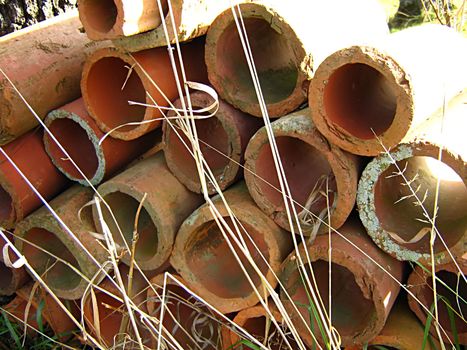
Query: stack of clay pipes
pixel 330 154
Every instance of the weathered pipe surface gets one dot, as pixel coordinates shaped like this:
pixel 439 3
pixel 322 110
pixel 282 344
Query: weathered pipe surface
pixel 388 208
pixel 190 322
pixel 109 19
pixel 11 278
pixel 311 165
pixel 44 306
pixel 286 48
pixel 17 199
pixel 402 331
pixel 45 63
pixel 367 97
pixel 79 134
pixel 226 135
pixel 167 205
pixel 113 77
pixel 41 231
pixel 192 19
pixel 362 293
pixel 421 285
pixel 205 261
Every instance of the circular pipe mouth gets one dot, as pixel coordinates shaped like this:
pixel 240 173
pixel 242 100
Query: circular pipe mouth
pixel 213 139
pixel 101 15
pixel 214 266
pixel 360 100
pixel 110 85
pixel 402 218
pixel 307 172
pixel 58 275
pixel 124 208
pixel 382 346
pixel 274 58
pixel 6 281
pixel 351 311
pixel 7 211
pixel 76 141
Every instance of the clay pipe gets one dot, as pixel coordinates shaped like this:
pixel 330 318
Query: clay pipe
pixel 49 80
pixel 452 288
pixel 113 77
pixel 286 49
pixel 311 165
pixel 42 230
pixel 11 278
pixel 203 258
pixel 109 19
pixel 79 135
pixel 17 199
pixel 367 97
pixel 398 217
pixel 163 209
pixel 362 293
pixel 223 139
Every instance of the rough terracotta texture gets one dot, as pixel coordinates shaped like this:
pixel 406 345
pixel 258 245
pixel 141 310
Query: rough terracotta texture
pixel 51 312
pixel 44 231
pixel 309 162
pixel 421 285
pixel 17 199
pixel 205 261
pixel 184 317
pixel 109 19
pixel 167 205
pixel 286 48
pixel 49 80
pixel 222 139
pixel 113 77
pixel 362 293
pixel 369 96
pixel 79 134
pixel 387 206
pixel 11 278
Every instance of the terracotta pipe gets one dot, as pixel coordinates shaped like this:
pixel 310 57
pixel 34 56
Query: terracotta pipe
pixel 362 293
pixel 391 214
pixel 51 312
pixel 164 209
pixel 49 80
pixel 228 132
pixel 109 83
pixel 185 318
pixel 11 278
pixel 192 19
pixel 203 258
pixel 286 48
pixel 17 199
pixel 109 19
pixel 309 162
pixel 364 97
pixel 79 134
pixel 420 284
pixel 43 230
pixel 402 331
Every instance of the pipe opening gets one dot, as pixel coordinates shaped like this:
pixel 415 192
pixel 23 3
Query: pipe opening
pixel 382 346
pixel 214 265
pixel 401 217
pixel 360 99
pixel 274 60
pixel 351 311
pixel 109 88
pixel 457 305
pixel 101 15
pixel 55 273
pixel 7 211
pixel 211 132
pixel 256 326
pixel 306 169
pixel 6 280
pixel 124 207
pixel 74 138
